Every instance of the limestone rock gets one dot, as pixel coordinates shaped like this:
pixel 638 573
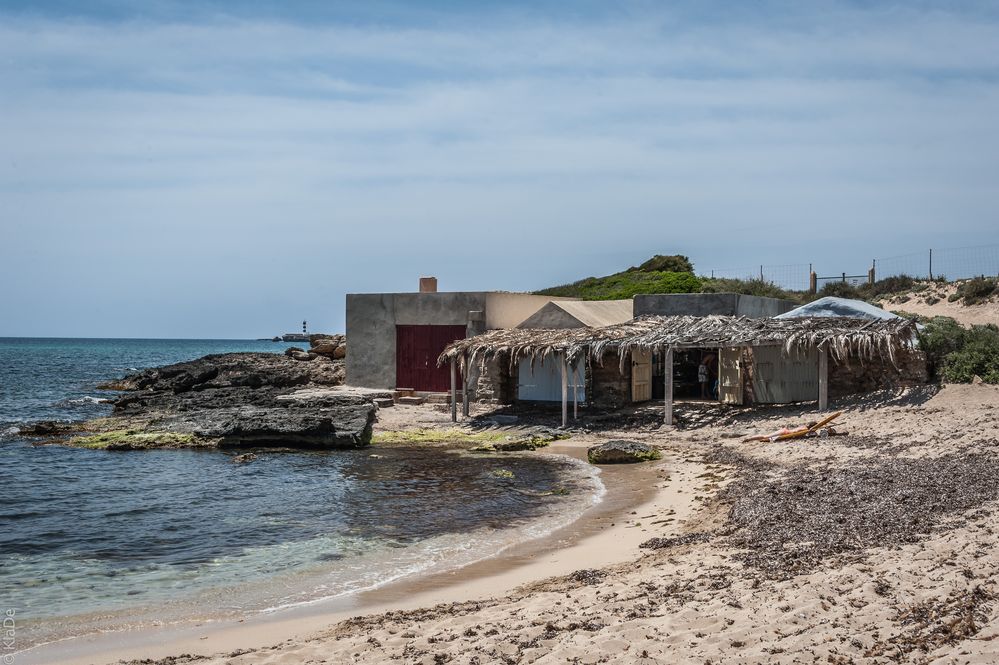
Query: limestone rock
pixel 250 399
pixel 620 451
pixel 325 347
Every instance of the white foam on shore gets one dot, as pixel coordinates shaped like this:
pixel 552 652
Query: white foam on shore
pixel 86 399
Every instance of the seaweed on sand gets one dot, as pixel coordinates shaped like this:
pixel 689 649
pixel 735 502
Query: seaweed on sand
pixel 789 520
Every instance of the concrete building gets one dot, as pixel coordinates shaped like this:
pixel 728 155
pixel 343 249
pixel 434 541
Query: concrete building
pixel 706 304
pixel 395 338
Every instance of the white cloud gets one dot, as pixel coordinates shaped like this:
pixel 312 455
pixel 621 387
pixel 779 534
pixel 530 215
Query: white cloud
pixel 646 134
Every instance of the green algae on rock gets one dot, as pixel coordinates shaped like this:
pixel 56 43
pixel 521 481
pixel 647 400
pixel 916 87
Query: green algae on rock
pixel 139 440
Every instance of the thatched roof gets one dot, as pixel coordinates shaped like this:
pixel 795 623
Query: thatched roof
pixel 868 339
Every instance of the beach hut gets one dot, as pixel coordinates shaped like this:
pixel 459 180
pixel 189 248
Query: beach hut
pixel 829 337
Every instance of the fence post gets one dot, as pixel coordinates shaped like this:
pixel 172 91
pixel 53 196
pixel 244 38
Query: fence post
pixel 844 278
pixel 761 273
pixel 931 264
pixel 870 273
pixel 813 282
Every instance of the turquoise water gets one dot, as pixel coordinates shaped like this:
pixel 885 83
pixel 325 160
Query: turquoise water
pixel 56 379
pixel 97 539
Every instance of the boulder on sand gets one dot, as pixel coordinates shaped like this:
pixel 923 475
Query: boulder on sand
pixel 621 452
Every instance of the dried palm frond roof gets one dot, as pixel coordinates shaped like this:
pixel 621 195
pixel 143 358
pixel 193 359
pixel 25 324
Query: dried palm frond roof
pixel 868 339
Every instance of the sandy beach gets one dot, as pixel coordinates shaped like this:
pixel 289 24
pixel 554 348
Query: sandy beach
pixel 877 546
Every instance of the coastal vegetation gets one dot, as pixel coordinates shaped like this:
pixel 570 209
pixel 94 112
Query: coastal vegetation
pixel 975 291
pixel 957 354
pixel 627 284
pixel 676 274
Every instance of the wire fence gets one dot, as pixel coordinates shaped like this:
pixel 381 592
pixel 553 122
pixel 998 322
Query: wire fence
pixel 949 263
pixel 793 277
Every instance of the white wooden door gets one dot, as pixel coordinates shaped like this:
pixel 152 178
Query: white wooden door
pixel 641 376
pixel 730 376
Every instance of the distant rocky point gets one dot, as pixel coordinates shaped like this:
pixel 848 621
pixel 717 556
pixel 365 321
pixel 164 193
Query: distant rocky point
pixel 234 399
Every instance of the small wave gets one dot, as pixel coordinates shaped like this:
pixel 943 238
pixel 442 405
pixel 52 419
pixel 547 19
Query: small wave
pixel 86 399
pixel 9 432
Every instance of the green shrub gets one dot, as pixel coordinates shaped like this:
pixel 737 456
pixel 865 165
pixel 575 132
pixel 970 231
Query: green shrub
pixel 627 284
pixel 894 284
pixel 748 287
pixel 976 290
pixel 839 290
pixel 661 263
pixel 958 354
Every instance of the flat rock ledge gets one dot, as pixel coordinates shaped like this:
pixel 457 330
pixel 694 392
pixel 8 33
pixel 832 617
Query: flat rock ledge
pixel 235 399
pixel 620 451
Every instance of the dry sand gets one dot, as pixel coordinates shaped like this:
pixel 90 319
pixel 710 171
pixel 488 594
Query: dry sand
pixel 879 546
pixel 934 302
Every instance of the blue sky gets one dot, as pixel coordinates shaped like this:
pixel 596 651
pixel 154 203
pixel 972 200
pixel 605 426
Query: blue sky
pixel 221 169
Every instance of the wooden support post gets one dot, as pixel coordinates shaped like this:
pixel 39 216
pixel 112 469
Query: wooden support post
pixel 575 391
pixel 823 379
pixel 464 389
pixel 454 392
pixel 565 392
pixel 668 369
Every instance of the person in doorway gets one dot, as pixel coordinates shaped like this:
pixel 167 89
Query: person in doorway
pixel 709 370
pixel 703 377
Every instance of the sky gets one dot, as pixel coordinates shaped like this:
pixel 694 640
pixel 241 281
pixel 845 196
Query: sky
pixel 224 169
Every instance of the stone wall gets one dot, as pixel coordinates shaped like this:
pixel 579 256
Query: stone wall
pixel 853 376
pixel 607 386
pixel 495 384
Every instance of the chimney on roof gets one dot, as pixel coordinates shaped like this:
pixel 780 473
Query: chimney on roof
pixel 428 285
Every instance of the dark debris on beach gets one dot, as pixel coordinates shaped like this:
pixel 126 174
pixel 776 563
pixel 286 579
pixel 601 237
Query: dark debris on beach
pixel 788 520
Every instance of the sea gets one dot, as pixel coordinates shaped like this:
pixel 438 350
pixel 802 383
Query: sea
pixel 96 540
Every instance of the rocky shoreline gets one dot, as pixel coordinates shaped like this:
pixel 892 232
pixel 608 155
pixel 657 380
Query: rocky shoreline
pixel 232 399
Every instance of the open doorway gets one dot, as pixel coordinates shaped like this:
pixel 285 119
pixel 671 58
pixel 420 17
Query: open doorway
pixel 690 366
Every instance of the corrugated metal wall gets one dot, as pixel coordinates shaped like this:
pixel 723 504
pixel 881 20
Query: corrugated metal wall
pixel 778 379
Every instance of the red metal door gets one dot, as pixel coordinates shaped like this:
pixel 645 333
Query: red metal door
pixel 416 352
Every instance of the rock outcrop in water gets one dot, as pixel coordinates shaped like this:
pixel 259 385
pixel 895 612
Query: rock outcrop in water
pixel 236 399
pixel 620 451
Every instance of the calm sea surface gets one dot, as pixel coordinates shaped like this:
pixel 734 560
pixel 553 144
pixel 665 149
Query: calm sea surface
pixel 96 539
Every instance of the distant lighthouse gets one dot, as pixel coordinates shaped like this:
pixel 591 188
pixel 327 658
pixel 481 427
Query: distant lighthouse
pixel 305 327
